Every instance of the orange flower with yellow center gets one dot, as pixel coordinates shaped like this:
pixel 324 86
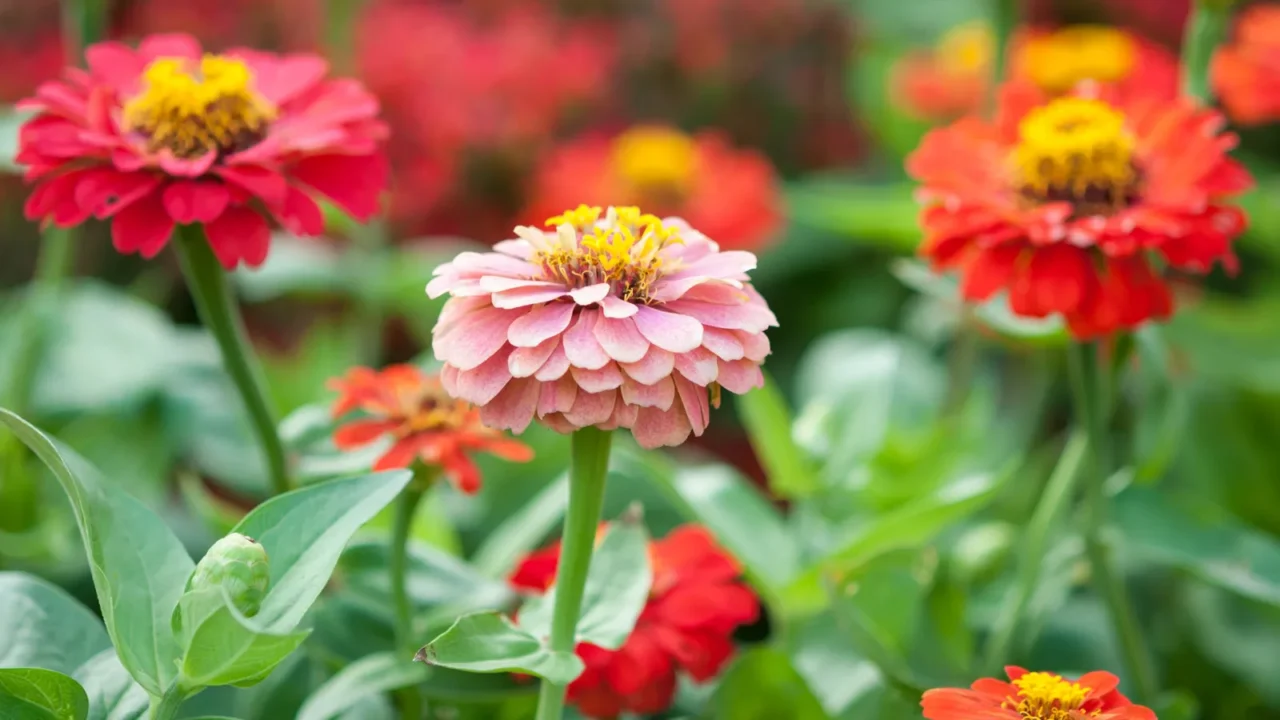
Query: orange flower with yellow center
pixel 1035 696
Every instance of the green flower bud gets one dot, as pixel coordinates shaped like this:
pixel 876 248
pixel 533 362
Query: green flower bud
pixel 239 565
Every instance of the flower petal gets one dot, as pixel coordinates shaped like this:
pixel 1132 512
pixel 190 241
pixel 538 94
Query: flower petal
pixel 655 365
pixel 540 323
pixel 669 331
pixel 239 234
pixel 195 201
pixel 620 339
pixel 513 408
pixel 580 343
pixel 144 227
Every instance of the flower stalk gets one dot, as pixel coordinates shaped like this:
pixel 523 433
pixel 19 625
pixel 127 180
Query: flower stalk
pixel 216 305
pixel 1091 393
pixel 398 566
pixel 1206 29
pixel 590 462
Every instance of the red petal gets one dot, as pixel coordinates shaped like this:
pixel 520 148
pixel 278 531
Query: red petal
pixel 178 45
pixel 300 214
pixel 193 201
pixel 239 234
pixel 990 271
pixel 261 182
pixel 144 227
pixel 361 432
pixel 353 182
pixel 114 63
pixel 1059 276
pixel 461 471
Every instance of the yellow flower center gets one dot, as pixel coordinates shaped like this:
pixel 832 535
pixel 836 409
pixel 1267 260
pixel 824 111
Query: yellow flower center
pixel 624 250
pixel 426 407
pixel 193 108
pixel 1076 150
pixel 659 163
pixel 1059 60
pixel 966 49
pixel 1044 696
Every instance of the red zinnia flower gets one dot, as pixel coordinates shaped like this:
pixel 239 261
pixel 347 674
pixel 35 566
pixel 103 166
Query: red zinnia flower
pixel 694 605
pixel 428 426
pixel 1063 202
pixel 165 135
pixel 1035 696
pixel 730 195
pixel 1246 73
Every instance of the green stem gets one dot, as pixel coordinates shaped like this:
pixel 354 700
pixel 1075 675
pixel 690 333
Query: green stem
pixel 1055 498
pixel 1206 29
pixel 218 311
pixel 406 640
pixel 586 498
pixel 1004 22
pixel 166 706
pixel 1091 393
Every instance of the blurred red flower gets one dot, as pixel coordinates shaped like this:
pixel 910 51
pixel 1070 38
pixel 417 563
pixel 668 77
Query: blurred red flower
pixel 1062 202
pixel 1035 696
pixel 403 402
pixel 731 195
pixel 694 605
pixel 948 80
pixel 166 135
pixel 1246 72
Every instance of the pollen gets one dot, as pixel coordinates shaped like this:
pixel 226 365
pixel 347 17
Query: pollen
pixel 656 161
pixel 624 249
pixel 1045 696
pixel 427 407
pixel 1060 60
pixel 192 108
pixel 966 49
pixel 1076 150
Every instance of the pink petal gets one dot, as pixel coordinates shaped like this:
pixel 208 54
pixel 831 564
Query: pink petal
pixel 476 337
pixel 483 383
pixel 717 293
pixel 693 398
pixel 557 396
pixel 524 362
pixel 620 339
pixel 499 283
pixel 699 366
pixel 261 182
pixel 591 408
pixel 114 63
pixel 174 45
pixel 110 191
pixel 143 227
pixel 722 342
pixel 655 428
pixel 195 201
pixel 281 79
pixel 515 248
pixel 354 182
pixel 655 365
pixel 740 376
pixel 659 395
pixel 540 323
pixel 186 167
pixel 580 343
pixel 617 307
pixel 524 297
pixel 239 234
pixel 590 294
pixel 513 408
pixel 488 263
pixel 558 422
pixel 669 331
pixel 596 381
pixel 754 345
pixel 624 416
pixel 300 214
pixel 556 366
pixel 729 317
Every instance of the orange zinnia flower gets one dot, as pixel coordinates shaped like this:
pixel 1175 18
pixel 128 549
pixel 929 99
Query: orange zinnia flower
pixel 1246 73
pixel 1035 696
pixel 409 405
pixel 1063 202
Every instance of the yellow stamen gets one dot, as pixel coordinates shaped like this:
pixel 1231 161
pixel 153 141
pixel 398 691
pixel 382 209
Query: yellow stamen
pixel 1075 149
pixel 656 159
pixel 966 49
pixel 1060 60
pixel 1045 696
pixel 193 108
pixel 581 217
pixel 624 250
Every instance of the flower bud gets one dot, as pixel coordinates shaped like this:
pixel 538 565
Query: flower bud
pixel 237 564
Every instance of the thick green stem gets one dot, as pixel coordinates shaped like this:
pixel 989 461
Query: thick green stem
pixel 1056 497
pixel 1206 29
pixel 166 706
pixel 1092 395
pixel 586 498
pixel 406 640
pixel 218 311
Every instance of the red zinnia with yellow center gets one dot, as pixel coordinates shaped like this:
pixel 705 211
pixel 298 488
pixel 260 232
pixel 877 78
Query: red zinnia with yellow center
pixel 428 426
pixel 731 195
pixel 1069 204
pixel 1035 696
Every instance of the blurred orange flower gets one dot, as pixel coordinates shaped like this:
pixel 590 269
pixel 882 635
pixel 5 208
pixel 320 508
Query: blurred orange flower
pixel 1246 72
pixel 1035 696
pixel 731 195
pixel 409 405
pixel 950 79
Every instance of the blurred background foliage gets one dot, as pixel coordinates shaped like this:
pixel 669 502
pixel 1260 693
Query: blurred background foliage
pixel 878 490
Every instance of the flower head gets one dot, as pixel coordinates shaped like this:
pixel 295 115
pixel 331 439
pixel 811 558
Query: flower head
pixel 167 135
pixel 1035 696
pixel 614 319
pixel 695 603
pixel 1067 202
pixel 427 425
pixel 949 79
pixel 727 193
pixel 1246 72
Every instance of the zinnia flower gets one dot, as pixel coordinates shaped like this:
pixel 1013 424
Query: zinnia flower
pixel 1065 202
pixel 405 403
pixel 1035 696
pixel 729 194
pixel 947 80
pixel 166 135
pixel 1246 72
pixel 625 321
pixel 695 603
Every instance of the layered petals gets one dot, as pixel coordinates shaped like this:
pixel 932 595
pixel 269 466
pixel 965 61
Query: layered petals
pixel 1033 695
pixel 1246 71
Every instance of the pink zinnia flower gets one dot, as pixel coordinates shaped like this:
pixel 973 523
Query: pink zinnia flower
pixel 166 135
pixel 625 321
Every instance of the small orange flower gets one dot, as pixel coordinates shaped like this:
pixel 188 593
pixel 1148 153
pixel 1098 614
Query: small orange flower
pixel 1246 72
pixel 948 80
pixel 427 424
pixel 1035 696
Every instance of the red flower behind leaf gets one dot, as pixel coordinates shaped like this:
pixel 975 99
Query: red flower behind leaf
pixel 1035 696
pixel 166 135
pixel 405 403
pixel 694 605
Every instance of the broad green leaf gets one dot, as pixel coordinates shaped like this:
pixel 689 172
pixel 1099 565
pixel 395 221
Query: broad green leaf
pixel 448 685
pixel 762 685
pixel 304 532
pixel 283 692
pixel 223 650
pixel 839 677
pixel 370 675
pixel 490 643
pixel 768 421
pixel 42 626
pixel 616 591
pixel 434 578
pixel 39 693
pixel 138 566
pixel 113 694
pixel 130 449
pixel 523 531
pixel 861 212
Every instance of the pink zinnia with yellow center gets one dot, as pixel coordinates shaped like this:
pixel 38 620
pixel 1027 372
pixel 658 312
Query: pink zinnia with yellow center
pixel 612 320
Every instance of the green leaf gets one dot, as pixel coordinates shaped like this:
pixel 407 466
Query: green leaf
pixel 138 566
pixel 36 693
pixel 10 124
pixel 434 578
pixel 523 530
pixel 369 675
pixel 42 626
pixel 219 516
pixel 224 650
pixel 616 591
pixel 113 694
pixel 490 643
pixel 768 421
pixel 995 313
pixel 864 213
pixel 295 265
pixel 762 685
pixel 304 532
